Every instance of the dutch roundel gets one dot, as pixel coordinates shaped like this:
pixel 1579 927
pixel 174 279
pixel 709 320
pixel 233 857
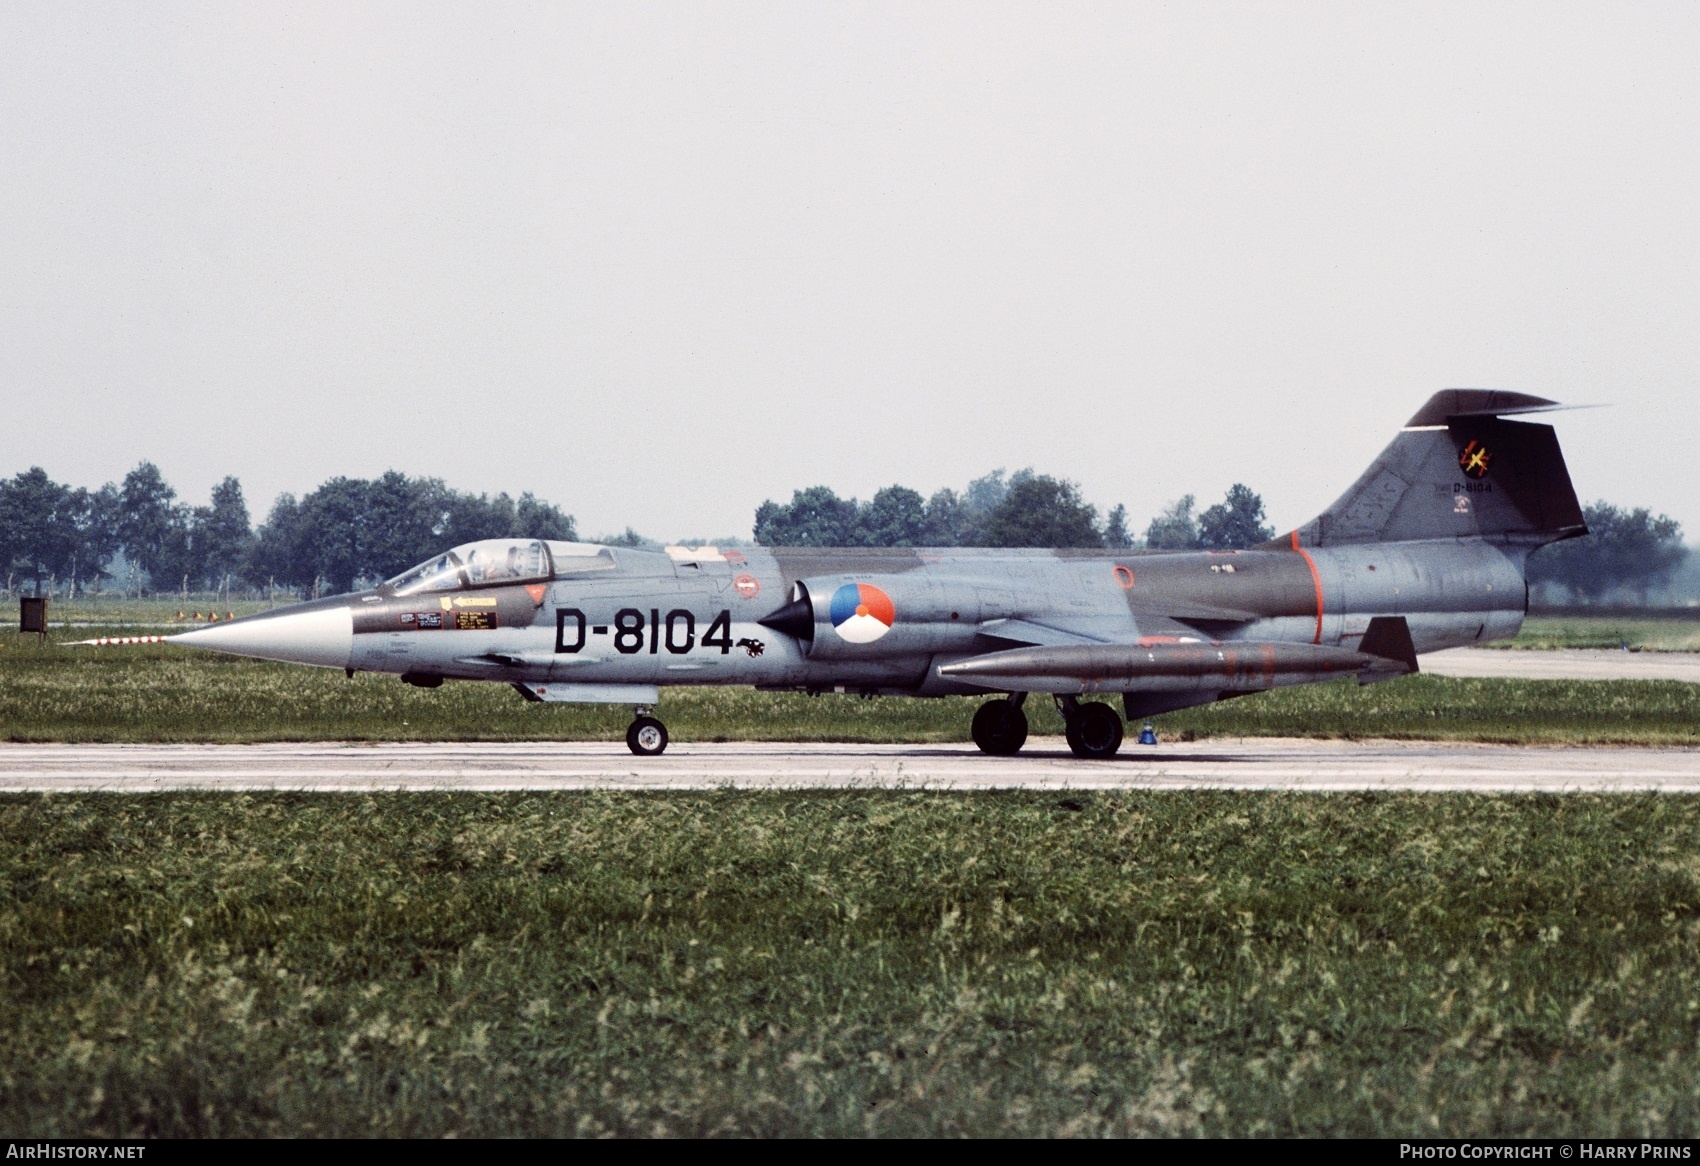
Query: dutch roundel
pixel 861 613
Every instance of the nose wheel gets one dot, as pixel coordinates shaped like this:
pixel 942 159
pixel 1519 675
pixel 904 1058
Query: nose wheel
pixel 1000 727
pixel 646 736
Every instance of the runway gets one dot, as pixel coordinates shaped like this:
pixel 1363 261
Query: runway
pixel 1562 664
pixel 1236 764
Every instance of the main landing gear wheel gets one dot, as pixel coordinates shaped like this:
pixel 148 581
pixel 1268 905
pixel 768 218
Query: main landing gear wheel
pixel 647 737
pixel 999 728
pixel 1094 731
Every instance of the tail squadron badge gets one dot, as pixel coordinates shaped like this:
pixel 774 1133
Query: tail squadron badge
pixel 1474 460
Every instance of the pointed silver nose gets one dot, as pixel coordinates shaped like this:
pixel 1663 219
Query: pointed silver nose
pixel 324 637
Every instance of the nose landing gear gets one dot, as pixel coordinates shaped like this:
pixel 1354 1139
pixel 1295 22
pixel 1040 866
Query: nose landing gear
pixel 1000 727
pixel 646 736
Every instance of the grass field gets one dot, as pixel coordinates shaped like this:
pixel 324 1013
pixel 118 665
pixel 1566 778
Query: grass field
pixel 119 610
pixel 850 963
pixel 846 963
pixel 1642 635
pixel 165 693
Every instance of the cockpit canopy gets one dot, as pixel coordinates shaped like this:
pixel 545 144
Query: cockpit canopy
pixel 493 561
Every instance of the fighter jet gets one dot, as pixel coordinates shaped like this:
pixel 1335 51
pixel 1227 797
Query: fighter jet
pixel 1425 551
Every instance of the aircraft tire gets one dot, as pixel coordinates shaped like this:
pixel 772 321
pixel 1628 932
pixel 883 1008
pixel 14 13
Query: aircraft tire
pixel 647 737
pixel 999 728
pixel 1095 731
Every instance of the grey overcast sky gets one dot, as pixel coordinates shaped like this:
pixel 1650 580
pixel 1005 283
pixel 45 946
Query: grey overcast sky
pixel 657 263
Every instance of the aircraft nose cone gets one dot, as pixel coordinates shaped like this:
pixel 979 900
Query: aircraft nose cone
pixel 324 636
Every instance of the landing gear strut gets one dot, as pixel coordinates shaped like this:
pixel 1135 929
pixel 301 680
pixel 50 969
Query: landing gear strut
pixel 1000 727
pixel 1094 730
pixel 646 736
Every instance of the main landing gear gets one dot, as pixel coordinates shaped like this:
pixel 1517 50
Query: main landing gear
pixel 1094 730
pixel 646 736
pixel 1000 727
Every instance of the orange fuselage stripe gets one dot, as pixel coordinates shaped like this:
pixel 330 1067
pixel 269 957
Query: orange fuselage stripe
pixel 1316 581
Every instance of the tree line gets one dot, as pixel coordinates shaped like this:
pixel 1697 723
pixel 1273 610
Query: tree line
pixel 1626 553
pixel 139 536
pixel 1024 509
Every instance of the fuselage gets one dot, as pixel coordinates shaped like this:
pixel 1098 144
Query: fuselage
pixel 599 616
pixel 1425 550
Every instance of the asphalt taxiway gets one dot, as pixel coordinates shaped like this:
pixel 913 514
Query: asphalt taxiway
pixel 1234 764
pixel 1564 664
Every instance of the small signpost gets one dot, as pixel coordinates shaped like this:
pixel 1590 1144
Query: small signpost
pixel 32 617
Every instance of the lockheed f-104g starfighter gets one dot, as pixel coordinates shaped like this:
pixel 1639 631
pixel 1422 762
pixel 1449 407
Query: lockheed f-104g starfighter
pixel 1426 550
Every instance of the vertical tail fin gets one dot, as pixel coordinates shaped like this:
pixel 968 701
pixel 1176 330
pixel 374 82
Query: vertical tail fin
pixel 1459 470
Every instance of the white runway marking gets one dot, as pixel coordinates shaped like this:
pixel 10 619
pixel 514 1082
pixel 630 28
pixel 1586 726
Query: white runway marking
pixel 1565 664
pixel 1241 764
